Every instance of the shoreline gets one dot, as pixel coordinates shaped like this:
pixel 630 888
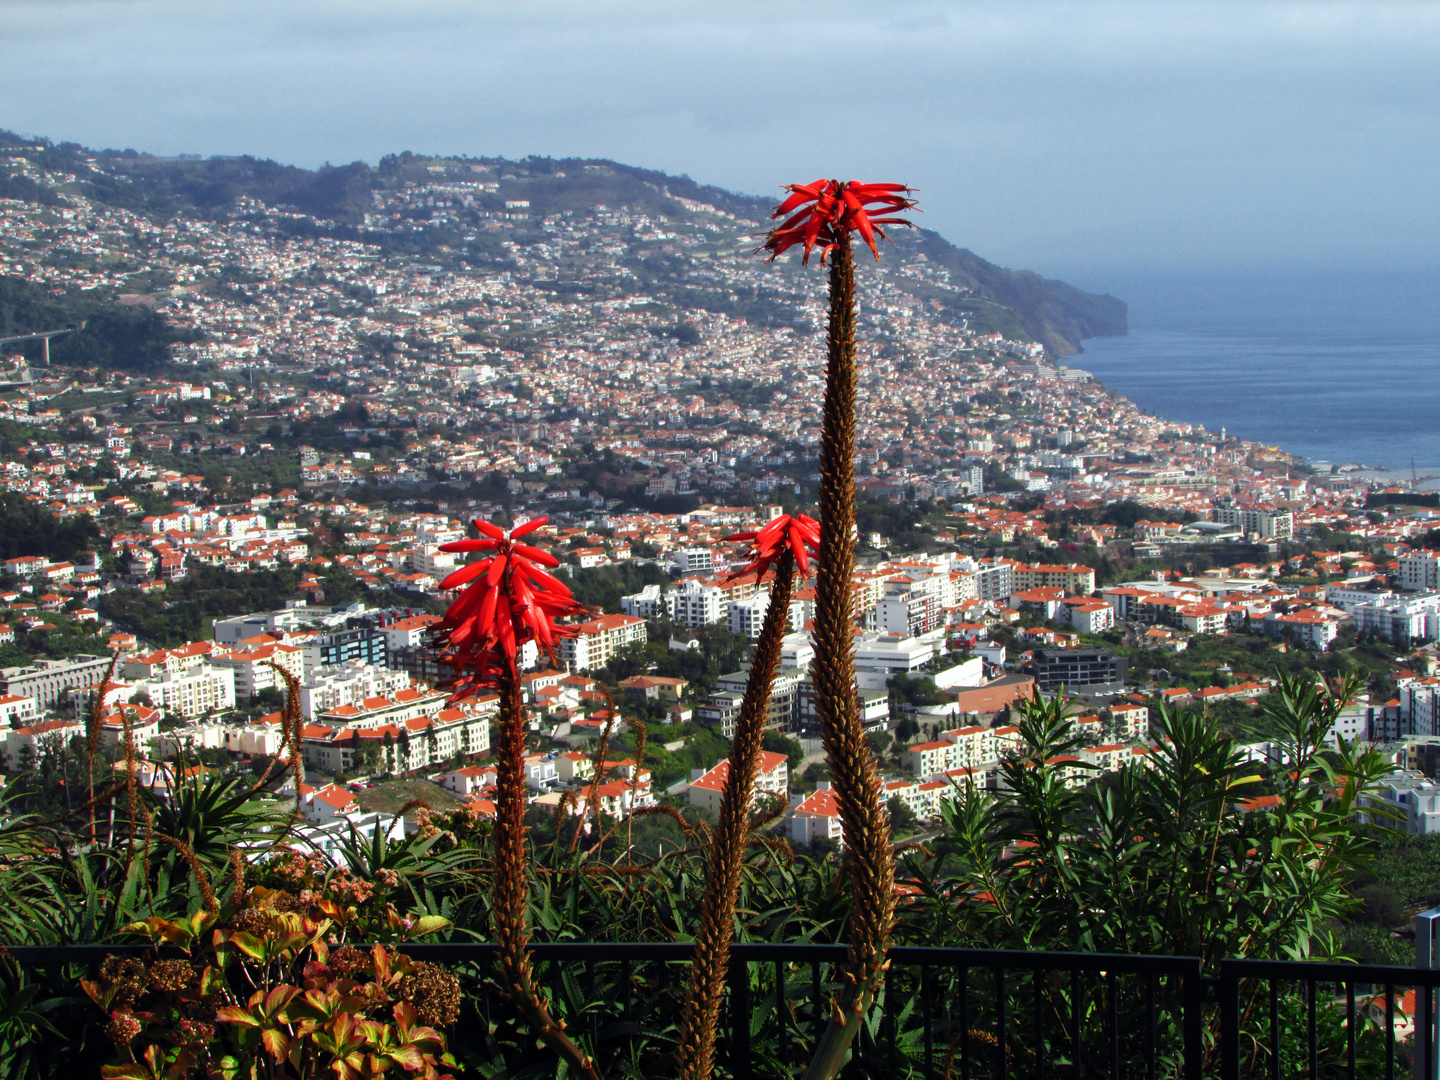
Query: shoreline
pixel 1330 423
pixel 1426 477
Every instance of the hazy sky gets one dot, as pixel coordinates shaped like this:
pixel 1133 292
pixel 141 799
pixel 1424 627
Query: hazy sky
pixel 1087 140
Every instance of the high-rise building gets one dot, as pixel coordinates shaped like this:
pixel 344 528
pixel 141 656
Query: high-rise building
pixel 1267 524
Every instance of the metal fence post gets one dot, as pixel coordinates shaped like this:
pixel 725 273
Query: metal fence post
pixel 1192 1003
pixel 1427 956
pixel 1229 990
pixel 740 1064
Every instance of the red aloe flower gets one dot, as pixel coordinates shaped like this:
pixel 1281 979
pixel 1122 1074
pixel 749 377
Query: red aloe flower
pixel 795 533
pixel 509 601
pixel 820 213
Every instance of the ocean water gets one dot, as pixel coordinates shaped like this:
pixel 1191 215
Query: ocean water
pixel 1339 367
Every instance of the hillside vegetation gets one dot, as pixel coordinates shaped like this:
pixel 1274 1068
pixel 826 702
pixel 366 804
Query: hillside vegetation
pixel 337 198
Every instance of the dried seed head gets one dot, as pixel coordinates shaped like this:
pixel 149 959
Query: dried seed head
pixel 435 993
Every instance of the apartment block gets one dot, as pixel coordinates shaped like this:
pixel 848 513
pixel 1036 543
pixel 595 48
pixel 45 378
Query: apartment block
pixel 1419 570
pixel 784 694
pixel 1074 578
pixel 1073 668
pixel 48 681
pixel 599 639
pixel 1267 524
pixel 356 644
pixel 348 684
pixel 747 617
pixel 696 603
pixel 817 817
pixel 255 668
pixel 1400 619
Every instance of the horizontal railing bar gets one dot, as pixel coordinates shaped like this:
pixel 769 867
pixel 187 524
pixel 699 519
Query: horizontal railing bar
pixel 80 954
pixel 677 951
pixel 1038 960
pixel 1329 971
pixel 907 955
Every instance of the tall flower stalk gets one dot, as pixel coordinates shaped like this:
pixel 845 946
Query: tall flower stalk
pixel 823 215
pixel 510 601
pixel 783 542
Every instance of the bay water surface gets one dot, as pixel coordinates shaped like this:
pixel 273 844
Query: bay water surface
pixel 1334 366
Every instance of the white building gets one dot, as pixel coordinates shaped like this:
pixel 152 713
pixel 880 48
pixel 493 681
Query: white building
pixel 747 617
pixel 1420 570
pixel 412 731
pixel 29 740
pixel 429 559
pixel 796 651
pixel 1307 626
pixel 183 682
pixel 259 738
pixel 408 633
pixel 696 603
pixel 1347 595
pixel 1091 616
pixel 254 669
pixel 911 612
pixel 648 603
pixel 1413 802
pixel 599 639
pixel 772 778
pixel 348 684
pixel 293 617
pixel 1267 524
pixel 817 817
pixel 47 681
pixel 1419 698
pixel 17 710
pixel 880 657
pixel 1400 618
pixel 695 560
pixel 188 739
pixel 994 579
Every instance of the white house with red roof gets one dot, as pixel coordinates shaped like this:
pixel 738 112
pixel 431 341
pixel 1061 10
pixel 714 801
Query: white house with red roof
pixel 408 633
pixel 1090 616
pixel 470 779
pixel 324 804
pixel 261 737
pixel 1130 721
pixel 142 721
pixel 17 710
pixel 1307 626
pixel 35 736
pixel 772 778
pixel 618 798
pixel 817 817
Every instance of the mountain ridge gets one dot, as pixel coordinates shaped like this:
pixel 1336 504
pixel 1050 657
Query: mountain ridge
pixel 1057 315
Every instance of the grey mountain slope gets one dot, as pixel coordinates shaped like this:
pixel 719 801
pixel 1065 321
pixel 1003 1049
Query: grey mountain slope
pixel 1056 314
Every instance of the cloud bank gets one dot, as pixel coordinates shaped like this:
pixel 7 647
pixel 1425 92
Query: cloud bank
pixel 1075 138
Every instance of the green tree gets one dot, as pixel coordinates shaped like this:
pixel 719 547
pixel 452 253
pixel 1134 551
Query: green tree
pixel 903 821
pixel 777 743
pixel 1153 839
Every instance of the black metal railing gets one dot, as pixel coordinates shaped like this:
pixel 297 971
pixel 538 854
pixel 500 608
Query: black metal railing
pixel 974 1014
pixel 1355 1005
